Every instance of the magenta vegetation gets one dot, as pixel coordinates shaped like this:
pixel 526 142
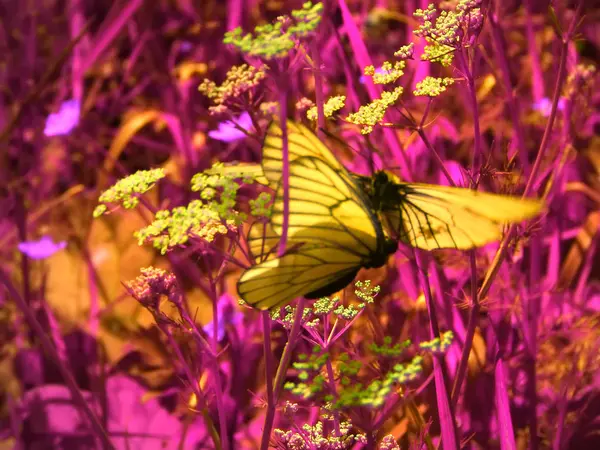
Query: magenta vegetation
pixel 132 199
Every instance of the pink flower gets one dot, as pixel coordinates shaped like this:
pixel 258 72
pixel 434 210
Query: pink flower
pixel 229 132
pixel 42 249
pixel 63 122
pixel 544 106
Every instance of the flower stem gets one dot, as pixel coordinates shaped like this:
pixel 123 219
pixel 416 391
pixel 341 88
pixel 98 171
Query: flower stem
pixel 281 372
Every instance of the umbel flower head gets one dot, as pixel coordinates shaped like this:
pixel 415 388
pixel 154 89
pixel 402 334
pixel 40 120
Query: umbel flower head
pixel 127 190
pixel 238 88
pixel 275 40
pixel 151 287
pixel 446 31
pixel 213 214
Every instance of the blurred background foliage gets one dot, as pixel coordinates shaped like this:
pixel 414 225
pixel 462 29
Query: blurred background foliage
pixel 134 68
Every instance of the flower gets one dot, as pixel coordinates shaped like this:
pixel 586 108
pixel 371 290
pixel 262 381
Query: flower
pixel 229 132
pixel 228 315
pixel 63 122
pixel 42 249
pixel 544 106
pixel 379 71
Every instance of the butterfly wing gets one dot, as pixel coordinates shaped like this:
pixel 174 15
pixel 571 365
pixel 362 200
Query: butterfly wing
pixel 334 233
pixel 301 142
pixel 432 217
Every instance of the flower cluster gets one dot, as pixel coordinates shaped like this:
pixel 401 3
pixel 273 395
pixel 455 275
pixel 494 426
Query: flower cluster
pixel 269 109
pixel 371 114
pixel 151 287
pixel 432 86
pixel 388 73
pixel 213 214
pixel 438 345
pixel 304 103
pixel 127 190
pixel 332 105
pixel 308 365
pixel 388 443
pixel 406 51
pixel 387 349
pixel 312 315
pixel 173 228
pixel 262 205
pixel 351 392
pixel 446 31
pixel 580 79
pixel 314 437
pixel 239 80
pixel 375 393
pixel 287 319
pixel 274 41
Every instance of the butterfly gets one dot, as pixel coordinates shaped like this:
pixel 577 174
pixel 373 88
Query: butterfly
pixel 421 215
pixel 332 229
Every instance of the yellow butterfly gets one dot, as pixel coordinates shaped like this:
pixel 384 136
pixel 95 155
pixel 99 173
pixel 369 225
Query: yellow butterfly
pixel 421 215
pixel 332 228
